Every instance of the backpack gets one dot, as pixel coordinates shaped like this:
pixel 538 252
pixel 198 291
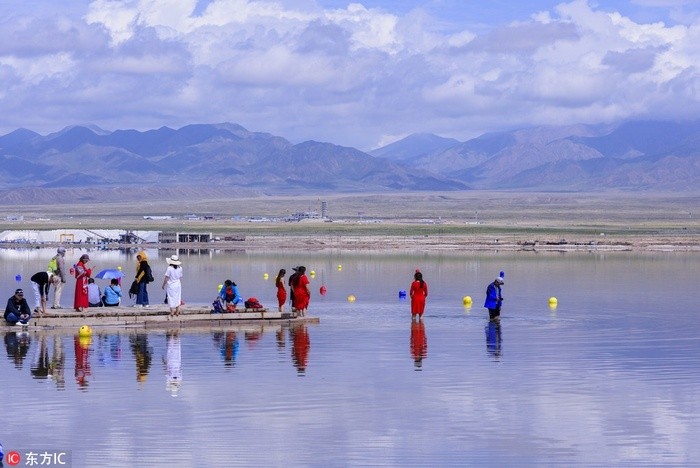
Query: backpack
pixel 218 308
pixel 53 265
pixel 253 303
pixel 148 274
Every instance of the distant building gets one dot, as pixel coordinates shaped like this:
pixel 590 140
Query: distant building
pixel 302 215
pixel 171 237
pixel 324 209
pixel 79 236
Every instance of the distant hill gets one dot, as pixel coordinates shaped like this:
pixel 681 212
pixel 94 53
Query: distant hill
pixel 225 155
pixel 631 156
pixel 414 147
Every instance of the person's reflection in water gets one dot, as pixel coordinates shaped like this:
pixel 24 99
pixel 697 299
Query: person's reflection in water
pixel 252 338
pixel 40 362
pixel 17 346
pixel 173 362
pixel 300 347
pixel 493 338
pixel 143 355
pixel 81 346
pixel 419 344
pixel 108 349
pixel 58 363
pixel 281 339
pixel 229 349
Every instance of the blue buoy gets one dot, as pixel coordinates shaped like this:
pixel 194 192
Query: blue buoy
pixel 502 274
pixel 402 293
pixel 18 278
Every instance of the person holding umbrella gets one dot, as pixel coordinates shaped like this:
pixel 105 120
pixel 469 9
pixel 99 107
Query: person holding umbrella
pixel 113 294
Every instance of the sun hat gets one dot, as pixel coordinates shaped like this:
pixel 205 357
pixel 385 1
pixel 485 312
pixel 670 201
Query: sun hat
pixel 61 250
pixel 19 291
pixel 500 280
pixel 173 260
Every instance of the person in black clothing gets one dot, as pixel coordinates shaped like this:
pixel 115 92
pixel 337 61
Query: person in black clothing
pixel 40 285
pixel 292 280
pixel 17 309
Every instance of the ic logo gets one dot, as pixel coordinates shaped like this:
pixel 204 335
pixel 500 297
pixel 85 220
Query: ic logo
pixel 13 458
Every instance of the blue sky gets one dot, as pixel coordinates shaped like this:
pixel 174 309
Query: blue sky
pixel 359 74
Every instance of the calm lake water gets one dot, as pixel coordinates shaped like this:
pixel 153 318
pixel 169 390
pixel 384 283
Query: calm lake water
pixel 609 377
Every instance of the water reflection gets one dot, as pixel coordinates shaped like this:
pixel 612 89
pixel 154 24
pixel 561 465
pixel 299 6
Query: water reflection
pixel 228 345
pixel 493 338
pixel 173 362
pixel 143 355
pixel 109 349
pixel 17 346
pixel 81 345
pixel 58 363
pixel 40 363
pixel 299 334
pixel 419 344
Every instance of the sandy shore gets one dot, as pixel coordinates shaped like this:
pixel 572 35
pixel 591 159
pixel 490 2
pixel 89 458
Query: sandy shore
pixel 468 243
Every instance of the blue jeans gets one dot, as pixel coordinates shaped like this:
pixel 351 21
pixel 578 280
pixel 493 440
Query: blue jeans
pixel 142 296
pixel 12 319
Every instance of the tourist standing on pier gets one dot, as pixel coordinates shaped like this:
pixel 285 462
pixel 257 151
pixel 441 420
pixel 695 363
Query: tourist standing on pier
pixel 281 291
pixel 172 285
pixel 144 275
pixel 59 276
pixel 419 293
pixel 40 285
pixel 302 291
pixel 82 274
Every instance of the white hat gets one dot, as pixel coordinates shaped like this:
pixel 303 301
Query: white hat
pixel 173 260
pixel 500 280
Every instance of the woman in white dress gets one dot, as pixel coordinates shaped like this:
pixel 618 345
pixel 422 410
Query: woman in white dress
pixel 172 286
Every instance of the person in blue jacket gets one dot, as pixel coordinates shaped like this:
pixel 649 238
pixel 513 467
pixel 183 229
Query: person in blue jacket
pixel 113 294
pixel 229 293
pixel 494 298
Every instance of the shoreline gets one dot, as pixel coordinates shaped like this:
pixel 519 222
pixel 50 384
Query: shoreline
pixel 418 243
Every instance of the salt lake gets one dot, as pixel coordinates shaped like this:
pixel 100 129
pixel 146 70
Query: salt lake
pixel 608 377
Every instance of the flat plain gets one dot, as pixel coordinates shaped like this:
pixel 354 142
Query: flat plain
pixel 410 221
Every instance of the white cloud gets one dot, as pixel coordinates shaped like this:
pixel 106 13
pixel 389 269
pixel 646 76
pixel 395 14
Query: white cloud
pixel 345 75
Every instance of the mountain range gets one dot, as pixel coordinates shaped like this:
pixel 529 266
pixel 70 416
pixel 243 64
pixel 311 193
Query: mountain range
pixel 630 156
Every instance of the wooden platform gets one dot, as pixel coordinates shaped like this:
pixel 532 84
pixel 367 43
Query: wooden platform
pixel 157 316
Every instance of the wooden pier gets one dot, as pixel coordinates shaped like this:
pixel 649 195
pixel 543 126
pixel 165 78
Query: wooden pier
pixel 158 317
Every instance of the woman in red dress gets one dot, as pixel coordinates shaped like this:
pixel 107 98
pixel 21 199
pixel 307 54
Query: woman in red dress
pixel 82 274
pixel 302 291
pixel 281 292
pixel 419 292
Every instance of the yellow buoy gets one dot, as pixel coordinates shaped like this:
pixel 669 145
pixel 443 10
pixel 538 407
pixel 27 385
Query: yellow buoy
pixel 351 298
pixel 85 331
pixel 218 288
pixel 312 273
pixel 119 268
pixel 467 300
pixel 340 267
pixel 266 276
pixel 84 341
pixel 553 301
